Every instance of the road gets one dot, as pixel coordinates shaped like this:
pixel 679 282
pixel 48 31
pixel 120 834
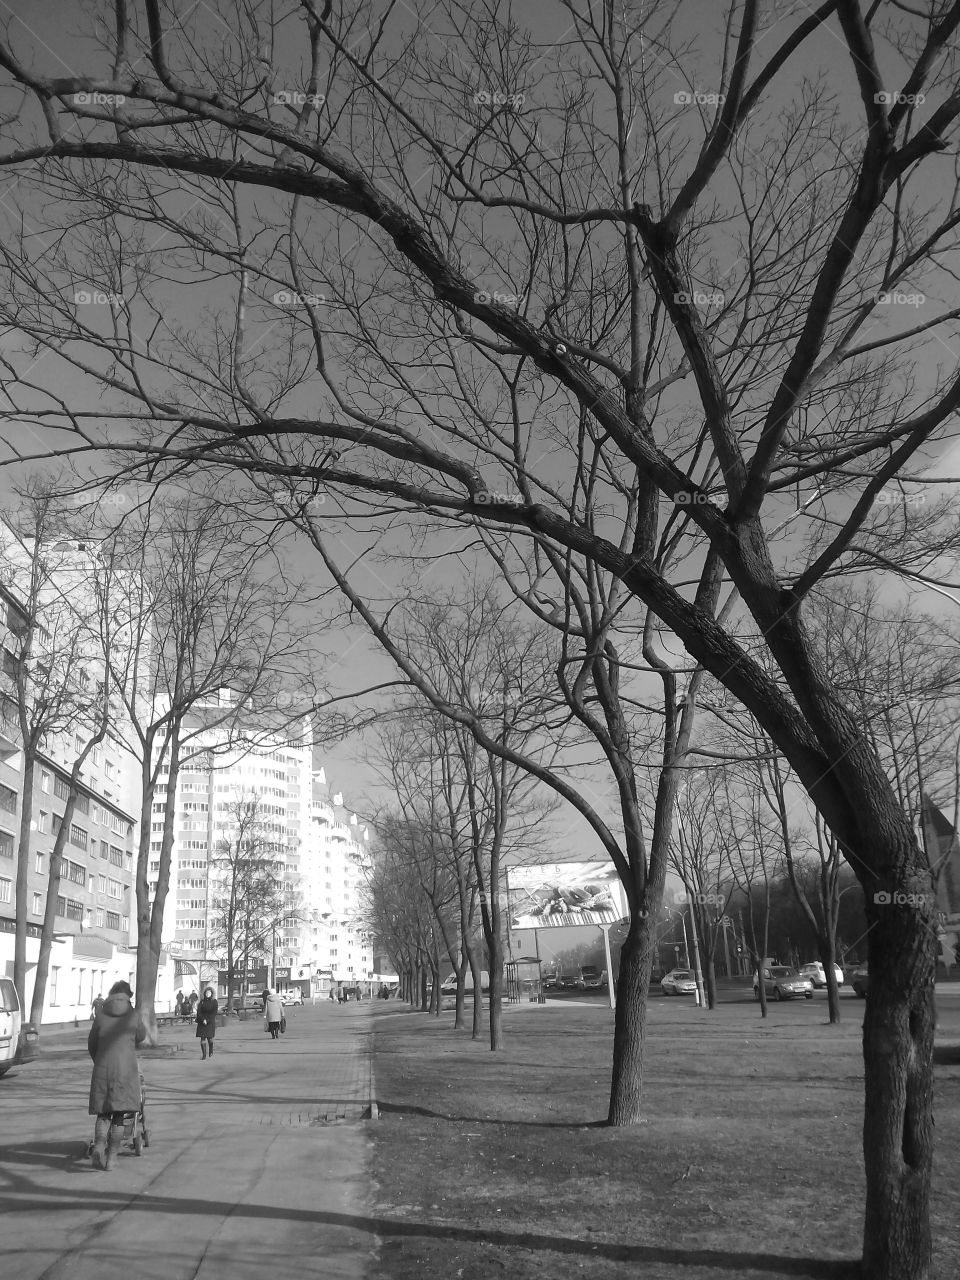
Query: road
pixel 256 1167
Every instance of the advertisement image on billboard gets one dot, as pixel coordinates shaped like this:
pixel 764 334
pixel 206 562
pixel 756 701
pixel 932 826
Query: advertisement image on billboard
pixel 563 893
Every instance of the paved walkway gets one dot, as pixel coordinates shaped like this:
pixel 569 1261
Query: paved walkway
pixel 256 1170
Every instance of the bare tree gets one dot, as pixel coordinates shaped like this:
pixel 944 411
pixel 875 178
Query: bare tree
pixel 685 300
pixel 419 760
pixel 58 690
pixel 253 896
pixel 193 635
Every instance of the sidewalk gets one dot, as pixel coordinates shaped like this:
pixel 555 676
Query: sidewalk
pixel 257 1165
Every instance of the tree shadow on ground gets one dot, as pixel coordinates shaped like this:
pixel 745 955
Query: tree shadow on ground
pixel 391 1108
pixel 20 1191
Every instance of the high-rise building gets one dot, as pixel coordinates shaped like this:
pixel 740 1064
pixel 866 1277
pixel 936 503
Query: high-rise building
pixel 334 876
pixel 268 773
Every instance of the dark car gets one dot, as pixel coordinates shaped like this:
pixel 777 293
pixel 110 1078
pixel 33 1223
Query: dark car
pixel 860 981
pixel 568 981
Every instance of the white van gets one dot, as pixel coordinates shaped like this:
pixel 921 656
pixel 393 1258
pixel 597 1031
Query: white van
pixel 11 1024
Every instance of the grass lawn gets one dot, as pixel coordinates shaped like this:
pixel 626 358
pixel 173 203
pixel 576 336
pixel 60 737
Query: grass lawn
pixel 747 1162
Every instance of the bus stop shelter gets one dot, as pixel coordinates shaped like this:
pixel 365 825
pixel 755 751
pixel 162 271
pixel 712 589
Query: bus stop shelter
pixel 524 980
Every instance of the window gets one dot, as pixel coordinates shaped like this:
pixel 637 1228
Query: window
pixel 116 889
pixel 116 856
pixel 97 755
pixel 57 823
pixel 61 788
pixel 54 983
pixel 8 799
pixel 43 822
pixel 111 770
pixel 83 804
pixel 99 917
pixel 113 920
pixel 6 844
pixel 74 910
pixel 125 923
pixel 78 836
pixel 74 871
pixel 95 813
pixel 37 908
pixel 77 743
pixel 101 884
pixel 44 780
pixel 38 864
pixel 6 889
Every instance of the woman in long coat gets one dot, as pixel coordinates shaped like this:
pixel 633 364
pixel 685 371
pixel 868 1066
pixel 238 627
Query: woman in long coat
pixel 115 1083
pixel 273 1012
pixel 207 1021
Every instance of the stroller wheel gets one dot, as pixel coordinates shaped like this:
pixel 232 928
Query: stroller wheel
pixel 137 1144
pixel 146 1137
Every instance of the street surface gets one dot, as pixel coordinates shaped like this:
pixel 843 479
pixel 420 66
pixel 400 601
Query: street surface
pixel 256 1168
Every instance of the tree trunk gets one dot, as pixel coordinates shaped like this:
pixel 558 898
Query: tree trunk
pixel 828 958
pixel 898 1030
pixel 476 973
pixel 633 986
pixel 23 871
pixel 495 948
pixel 50 913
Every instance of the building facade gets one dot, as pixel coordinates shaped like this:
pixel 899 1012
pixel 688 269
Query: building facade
pixel 95 899
pixel 338 949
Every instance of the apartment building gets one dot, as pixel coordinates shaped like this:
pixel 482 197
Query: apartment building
pixel 272 769
pixel 95 903
pixel 334 876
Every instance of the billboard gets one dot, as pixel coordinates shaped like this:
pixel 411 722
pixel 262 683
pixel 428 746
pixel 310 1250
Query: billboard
pixel 563 893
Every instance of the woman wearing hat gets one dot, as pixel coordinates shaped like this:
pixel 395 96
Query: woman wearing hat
pixel 273 1012
pixel 115 1084
pixel 207 1021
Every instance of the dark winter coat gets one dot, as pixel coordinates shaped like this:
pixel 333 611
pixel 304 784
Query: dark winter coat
pixel 207 1018
pixel 112 1044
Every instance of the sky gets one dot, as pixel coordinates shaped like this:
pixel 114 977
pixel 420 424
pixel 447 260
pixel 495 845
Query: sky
pixel 53 25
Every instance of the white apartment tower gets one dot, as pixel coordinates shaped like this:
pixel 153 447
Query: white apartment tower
pixel 277 773
pixel 333 876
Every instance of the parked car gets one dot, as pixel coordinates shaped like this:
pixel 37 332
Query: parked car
pixel 19 1040
pixel 860 981
pixel 549 981
pixel 567 981
pixel 815 972
pixel 293 996
pixel 783 983
pixel 592 978
pixel 679 982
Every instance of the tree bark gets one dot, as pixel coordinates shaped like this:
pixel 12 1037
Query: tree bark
pixel 898 1031
pixel 476 973
pixel 23 871
pixel 633 988
pixel 495 948
pixel 50 912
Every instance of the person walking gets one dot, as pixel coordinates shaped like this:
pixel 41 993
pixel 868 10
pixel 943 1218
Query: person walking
pixel 207 1011
pixel 273 1012
pixel 117 1031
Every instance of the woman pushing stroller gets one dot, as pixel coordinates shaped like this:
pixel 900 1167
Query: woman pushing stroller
pixel 116 1033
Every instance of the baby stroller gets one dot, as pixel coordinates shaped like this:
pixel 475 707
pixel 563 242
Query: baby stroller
pixel 136 1135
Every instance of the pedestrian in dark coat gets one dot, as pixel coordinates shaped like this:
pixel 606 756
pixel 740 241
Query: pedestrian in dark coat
pixel 115 1084
pixel 273 1012
pixel 207 1011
